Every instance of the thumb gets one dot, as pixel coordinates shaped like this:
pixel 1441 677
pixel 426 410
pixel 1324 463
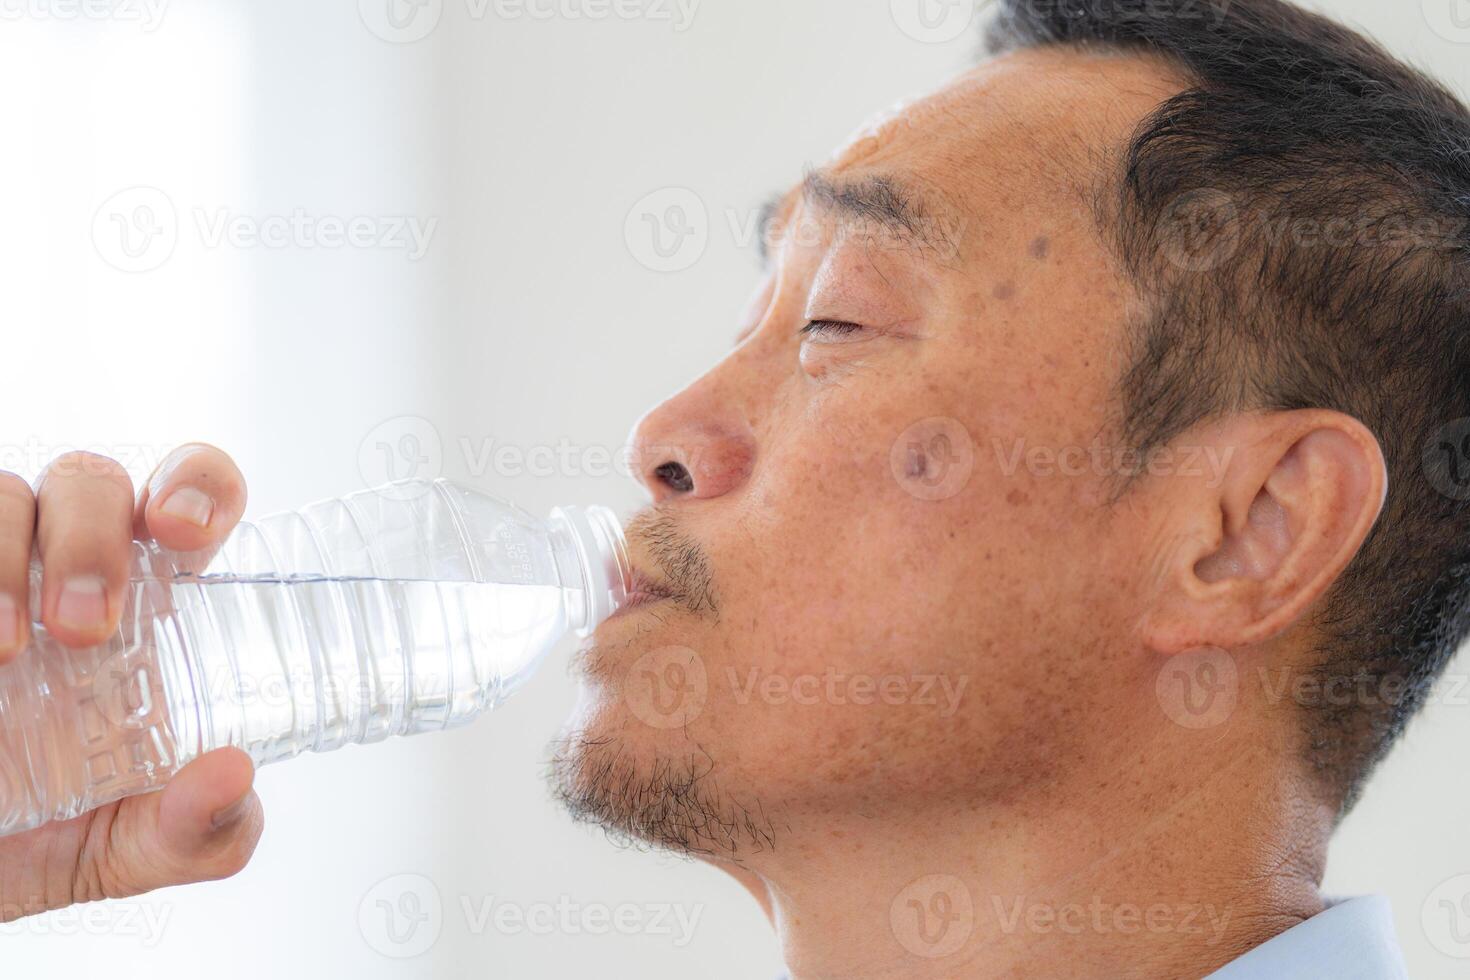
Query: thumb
pixel 204 825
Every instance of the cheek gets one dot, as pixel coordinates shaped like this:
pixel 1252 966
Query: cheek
pixel 832 557
pixel 866 616
pixel 899 521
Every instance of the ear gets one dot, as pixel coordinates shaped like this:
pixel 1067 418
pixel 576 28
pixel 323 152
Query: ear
pixel 1296 495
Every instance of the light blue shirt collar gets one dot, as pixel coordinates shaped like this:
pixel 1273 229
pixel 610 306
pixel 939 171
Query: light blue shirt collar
pixel 1350 940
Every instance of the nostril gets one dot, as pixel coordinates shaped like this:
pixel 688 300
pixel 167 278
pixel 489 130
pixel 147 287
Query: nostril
pixel 675 477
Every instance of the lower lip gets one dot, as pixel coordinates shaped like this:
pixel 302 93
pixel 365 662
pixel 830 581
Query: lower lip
pixel 638 600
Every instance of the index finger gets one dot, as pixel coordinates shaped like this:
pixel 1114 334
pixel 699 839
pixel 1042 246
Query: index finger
pixel 192 501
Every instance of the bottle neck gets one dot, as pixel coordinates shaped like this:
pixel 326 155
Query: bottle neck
pixel 592 561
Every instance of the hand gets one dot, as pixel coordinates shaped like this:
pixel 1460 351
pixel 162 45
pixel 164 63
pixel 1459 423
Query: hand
pixel 82 519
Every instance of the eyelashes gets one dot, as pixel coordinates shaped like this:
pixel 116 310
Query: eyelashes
pixel 829 346
pixel 830 328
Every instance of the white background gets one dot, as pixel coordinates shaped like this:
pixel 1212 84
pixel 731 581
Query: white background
pixel 528 321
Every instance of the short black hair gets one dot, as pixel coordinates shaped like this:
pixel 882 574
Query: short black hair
pixel 1296 221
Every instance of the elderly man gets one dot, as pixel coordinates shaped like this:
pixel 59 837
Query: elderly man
pixel 1077 519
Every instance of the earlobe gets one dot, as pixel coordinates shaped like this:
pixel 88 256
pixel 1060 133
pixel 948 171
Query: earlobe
pixel 1301 494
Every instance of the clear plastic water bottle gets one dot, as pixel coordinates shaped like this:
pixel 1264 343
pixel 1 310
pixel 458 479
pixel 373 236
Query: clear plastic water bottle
pixel 409 608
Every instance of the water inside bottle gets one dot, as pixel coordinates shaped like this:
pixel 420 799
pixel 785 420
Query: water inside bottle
pixel 275 665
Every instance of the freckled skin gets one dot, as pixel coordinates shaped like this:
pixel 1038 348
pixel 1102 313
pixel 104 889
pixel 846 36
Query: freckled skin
pixel 852 571
pixel 1024 584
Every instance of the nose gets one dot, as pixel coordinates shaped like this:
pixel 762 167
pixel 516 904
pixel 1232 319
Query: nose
pixel 694 445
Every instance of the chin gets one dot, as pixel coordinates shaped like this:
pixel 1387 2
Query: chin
pixel 637 758
pixel 647 788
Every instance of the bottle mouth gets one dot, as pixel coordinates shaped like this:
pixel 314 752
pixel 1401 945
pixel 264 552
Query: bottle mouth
pixel 602 560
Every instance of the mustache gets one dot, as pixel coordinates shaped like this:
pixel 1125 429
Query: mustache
pixel 680 560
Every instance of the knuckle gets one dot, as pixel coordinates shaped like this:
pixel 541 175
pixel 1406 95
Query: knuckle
pixel 224 862
pixel 16 496
pixel 233 858
pixel 93 875
pixel 81 463
pixel 232 862
pixel 78 548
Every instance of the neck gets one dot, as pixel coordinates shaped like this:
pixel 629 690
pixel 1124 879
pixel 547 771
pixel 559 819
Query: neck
pixel 1170 878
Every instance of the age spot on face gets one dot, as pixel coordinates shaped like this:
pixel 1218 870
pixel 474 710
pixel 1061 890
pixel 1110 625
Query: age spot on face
pixel 1040 247
pixel 1004 291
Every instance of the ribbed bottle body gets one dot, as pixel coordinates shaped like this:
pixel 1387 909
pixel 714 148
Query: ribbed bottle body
pixel 389 612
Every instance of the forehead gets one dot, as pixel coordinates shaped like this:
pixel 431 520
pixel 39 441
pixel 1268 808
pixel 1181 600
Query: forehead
pixel 1028 133
pixel 1008 157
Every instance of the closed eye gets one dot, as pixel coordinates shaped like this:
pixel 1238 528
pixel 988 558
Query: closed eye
pixel 830 328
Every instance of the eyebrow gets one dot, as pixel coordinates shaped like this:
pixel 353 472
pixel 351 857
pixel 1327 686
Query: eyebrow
pixel 877 200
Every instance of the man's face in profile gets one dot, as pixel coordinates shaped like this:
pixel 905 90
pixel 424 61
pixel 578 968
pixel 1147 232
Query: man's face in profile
pixel 901 581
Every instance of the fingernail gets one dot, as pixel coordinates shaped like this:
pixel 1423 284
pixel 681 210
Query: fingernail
pixel 9 622
pixel 83 603
pixel 189 504
pixel 231 814
pixel 167 468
